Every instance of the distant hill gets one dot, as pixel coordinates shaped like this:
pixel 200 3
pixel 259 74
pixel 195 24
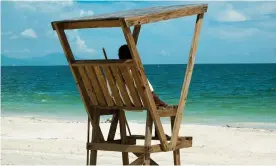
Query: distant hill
pixel 47 60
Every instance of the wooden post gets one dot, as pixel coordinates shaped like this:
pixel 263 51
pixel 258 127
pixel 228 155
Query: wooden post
pixel 187 79
pixel 88 140
pixel 136 32
pixel 95 136
pixel 148 136
pixel 70 58
pixel 176 153
pixel 123 135
pixel 151 104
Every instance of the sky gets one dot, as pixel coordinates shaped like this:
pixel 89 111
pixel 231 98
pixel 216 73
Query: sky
pixel 232 32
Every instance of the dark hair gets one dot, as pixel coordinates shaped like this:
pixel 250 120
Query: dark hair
pixel 124 52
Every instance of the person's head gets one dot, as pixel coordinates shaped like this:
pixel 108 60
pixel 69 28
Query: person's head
pixel 124 52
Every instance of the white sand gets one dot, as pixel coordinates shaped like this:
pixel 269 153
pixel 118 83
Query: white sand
pixel 28 141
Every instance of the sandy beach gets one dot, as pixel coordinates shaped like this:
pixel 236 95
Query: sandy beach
pixel 27 141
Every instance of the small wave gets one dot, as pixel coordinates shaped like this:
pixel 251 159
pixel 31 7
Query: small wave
pixel 43 100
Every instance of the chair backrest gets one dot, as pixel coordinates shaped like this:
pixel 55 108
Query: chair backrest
pixel 112 83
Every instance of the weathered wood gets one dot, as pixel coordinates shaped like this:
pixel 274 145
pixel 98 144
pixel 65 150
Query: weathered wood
pixel 181 143
pixel 150 102
pixel 126 108
pixel 138 161
pixel 110 62
pixel 148 135
pixel 138 85
pixel 103 85
pixel 88 140
pixel 133 17
pixel 136 32
pixel 152 162
pixel 176 153
pixel 95 137
pixel 130 86
pixel 166 15
pixel 187 79
pixel 113 87
pixel 122 123
pixel 96 85
pixel 116 147
pixel 88 24
pixel 113 126
pixel 121 85
pixel 70 58
pixel 88 87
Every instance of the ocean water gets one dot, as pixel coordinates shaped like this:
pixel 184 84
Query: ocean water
pixel 223 94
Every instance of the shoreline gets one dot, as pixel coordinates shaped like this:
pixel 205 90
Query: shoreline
pixel 31 140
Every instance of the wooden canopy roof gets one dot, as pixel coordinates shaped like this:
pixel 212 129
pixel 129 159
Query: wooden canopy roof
pixel 132 17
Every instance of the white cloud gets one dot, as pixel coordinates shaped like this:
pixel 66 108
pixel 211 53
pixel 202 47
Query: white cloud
pixel 29 33
pixel 86 13
pixel 14 37
pixel 81 45
pixel 17 51
pixel 230 15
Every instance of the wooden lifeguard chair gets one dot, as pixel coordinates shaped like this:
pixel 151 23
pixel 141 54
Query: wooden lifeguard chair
pixel 128 84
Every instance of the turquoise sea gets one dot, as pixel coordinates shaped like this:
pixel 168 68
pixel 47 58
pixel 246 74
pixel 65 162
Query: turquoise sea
pixel 220 94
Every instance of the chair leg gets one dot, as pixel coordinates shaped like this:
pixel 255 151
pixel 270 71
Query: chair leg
pixel 176 153
pixel 95 135
pixel 123 135
pixel 148 137
pixel 88 140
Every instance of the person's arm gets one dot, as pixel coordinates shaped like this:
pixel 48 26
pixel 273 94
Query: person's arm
pixel 158 101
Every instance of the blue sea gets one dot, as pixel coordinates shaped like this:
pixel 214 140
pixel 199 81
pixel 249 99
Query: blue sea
pixel 220 94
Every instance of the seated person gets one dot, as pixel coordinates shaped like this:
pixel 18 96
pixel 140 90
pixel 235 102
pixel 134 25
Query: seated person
pixel 124 53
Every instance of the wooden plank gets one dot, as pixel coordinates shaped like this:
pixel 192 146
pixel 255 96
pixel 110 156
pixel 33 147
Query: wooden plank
pixel 113 86
pixel 122 123
pixel 148 135
pixel 121 85
pixel 176 153
pixel 155 17
pixel 116 147
pixel 131 86
pixel 70 58
pixel 103 85
pixel 89 24
pixel 187 80
pixel 126 108
pixel 138 84
pixel 138 161
pixel 94 81
pixel 150 102
pixel 110 62
pixel 136 32
pixel 88 86
pixel 166 113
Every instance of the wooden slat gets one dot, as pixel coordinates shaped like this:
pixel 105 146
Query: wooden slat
pixel 94 81
pixel 131 86
pixel 187 80
pixel 89 24
pixel 155 17
pixel 150 102
pixel 138 83
pixel 70 58
pixel 121 85
pixel 179 145
pixel 136 32
pixel 113 86
pixel 88 86
pixel 110 62
pixel 103 85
